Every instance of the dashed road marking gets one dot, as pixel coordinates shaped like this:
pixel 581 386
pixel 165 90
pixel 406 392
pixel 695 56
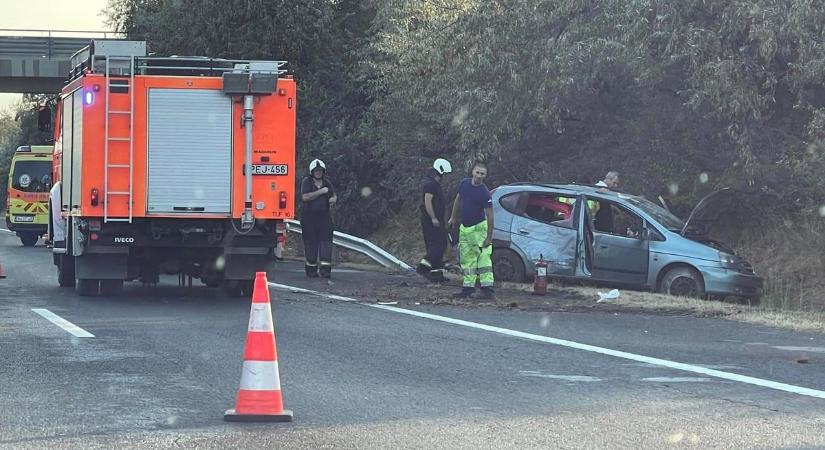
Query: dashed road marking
pixel 63 323
pixel 536 374
pixel 800 349
pixel 799 390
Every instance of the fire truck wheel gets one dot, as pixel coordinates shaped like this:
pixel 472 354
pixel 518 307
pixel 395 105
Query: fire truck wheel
pixel 29 239
pixel 65 271
pixel 246 288
pixel 111 287
pixel 232 288
pixel 238 288
pixel 87 287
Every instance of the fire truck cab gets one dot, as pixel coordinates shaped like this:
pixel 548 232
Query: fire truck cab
pixel 176 165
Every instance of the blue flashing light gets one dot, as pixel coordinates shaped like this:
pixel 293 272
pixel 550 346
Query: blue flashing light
pixel 89 98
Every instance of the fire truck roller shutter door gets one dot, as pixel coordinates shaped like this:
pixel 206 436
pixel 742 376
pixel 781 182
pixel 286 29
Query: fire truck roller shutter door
pixel 190 151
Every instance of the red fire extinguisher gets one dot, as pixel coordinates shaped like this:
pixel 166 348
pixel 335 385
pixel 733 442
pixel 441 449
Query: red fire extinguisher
pixel 540 280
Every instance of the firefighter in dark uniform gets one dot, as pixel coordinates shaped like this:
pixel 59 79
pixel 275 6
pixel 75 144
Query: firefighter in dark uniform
pixel 318 196
pixel 432 216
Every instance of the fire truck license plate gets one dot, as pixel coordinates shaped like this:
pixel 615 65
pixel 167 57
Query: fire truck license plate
pixel 24 218
pixel 269 169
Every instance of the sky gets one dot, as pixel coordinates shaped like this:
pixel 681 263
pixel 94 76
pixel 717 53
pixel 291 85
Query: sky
pixel 73 15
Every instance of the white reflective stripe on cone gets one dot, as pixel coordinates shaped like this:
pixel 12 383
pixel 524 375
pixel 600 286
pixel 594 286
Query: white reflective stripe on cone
pixel 260 376
pixel 260 318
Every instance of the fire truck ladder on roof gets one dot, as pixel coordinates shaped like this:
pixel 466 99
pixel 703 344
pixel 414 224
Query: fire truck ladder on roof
pixel 117 170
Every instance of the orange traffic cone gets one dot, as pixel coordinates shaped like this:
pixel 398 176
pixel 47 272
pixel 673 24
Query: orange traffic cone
pixel 259 398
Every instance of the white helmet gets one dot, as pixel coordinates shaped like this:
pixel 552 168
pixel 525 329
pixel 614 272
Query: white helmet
pixel 316 163
pixel 442 166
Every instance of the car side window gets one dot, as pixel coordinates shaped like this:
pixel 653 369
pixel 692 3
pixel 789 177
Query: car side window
pixel 510 202
pixel 550 208
pixel 654 235
pixel 611 218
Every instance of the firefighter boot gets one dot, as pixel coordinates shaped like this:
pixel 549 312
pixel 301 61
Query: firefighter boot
pixel 326 270
pixel 424 267
pixel 436 276
pixel 311 270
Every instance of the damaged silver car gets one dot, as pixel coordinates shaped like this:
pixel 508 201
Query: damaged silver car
pixel 591 233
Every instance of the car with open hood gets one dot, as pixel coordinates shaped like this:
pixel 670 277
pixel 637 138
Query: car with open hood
pixel 593 233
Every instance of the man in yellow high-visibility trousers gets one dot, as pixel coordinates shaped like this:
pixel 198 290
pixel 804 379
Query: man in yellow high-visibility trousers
pixel 475 238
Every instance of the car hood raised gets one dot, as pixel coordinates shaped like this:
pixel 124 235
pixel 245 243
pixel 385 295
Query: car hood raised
pixel 708 212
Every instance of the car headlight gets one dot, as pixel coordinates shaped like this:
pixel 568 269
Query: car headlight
pixel 727 259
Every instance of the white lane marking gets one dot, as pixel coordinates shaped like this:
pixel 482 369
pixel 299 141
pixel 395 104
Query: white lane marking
pixel 594 349
pixel 706 366
pixel 6 231
pixel 62 323
pixel 293 289
pixel 801 349
pixel 338 297
pixel 535 374
pixel 677 379
pixel 722 366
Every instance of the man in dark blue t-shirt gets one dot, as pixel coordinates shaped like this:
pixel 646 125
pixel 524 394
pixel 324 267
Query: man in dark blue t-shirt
pixel 475 232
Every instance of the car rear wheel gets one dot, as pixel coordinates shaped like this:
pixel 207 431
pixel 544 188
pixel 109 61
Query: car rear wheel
pixel 508 266
pixel 682 282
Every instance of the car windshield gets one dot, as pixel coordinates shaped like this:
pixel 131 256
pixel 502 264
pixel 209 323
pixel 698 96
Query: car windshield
pixel 659 214
pixel 32 176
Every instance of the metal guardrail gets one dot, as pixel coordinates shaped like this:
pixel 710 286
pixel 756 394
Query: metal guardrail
pixel 359 245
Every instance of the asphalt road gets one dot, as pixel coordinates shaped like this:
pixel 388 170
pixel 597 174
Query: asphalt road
pixel 165 363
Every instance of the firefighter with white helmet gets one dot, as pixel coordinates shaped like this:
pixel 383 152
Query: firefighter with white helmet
pixel 318 197
pixel 432 215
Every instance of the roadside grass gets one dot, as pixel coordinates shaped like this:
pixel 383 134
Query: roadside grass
pixel 653 303
pixel 790 255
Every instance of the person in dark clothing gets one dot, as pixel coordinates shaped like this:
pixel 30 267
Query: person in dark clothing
pixel 432 214
pixel 604 218
pixel 318 196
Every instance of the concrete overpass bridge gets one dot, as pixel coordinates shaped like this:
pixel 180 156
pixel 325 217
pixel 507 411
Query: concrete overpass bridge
pixel 38 61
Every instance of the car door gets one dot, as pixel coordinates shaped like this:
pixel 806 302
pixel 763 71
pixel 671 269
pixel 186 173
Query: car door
pixel 584 239
pixel 621 254
pixel 544 227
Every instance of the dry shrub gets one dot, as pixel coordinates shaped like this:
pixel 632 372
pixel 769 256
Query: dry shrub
pixel 789 255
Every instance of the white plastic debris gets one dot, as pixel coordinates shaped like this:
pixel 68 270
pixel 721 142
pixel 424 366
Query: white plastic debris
pixel 609 297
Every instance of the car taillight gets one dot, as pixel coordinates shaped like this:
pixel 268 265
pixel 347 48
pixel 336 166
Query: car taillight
pixel 282 201
pixel 95 198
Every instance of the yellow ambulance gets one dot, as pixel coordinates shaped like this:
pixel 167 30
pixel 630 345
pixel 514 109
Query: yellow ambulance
pixel 27 204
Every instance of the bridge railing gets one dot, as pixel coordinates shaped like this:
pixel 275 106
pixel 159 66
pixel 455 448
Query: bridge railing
pixel 49 44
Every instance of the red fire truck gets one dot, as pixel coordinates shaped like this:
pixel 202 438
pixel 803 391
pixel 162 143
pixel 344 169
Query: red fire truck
pixel 176 165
